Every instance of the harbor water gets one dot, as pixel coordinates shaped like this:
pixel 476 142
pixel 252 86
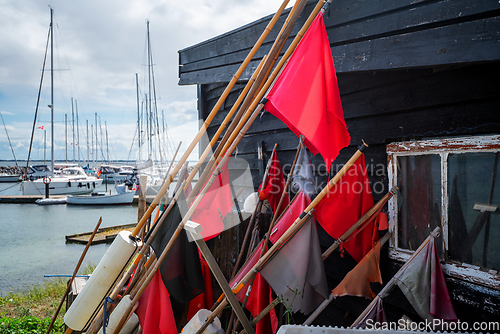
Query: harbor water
pixel 32 238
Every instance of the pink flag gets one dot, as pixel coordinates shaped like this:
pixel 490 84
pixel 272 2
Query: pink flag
pixel 306 95
pixel 424 286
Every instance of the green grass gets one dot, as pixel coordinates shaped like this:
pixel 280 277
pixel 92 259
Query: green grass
pixel 31 311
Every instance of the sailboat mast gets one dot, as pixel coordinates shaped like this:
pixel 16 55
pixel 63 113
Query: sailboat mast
pixel 66 135
pixel 149 95
pixel 88 148
pixel 77 132
pixel 96 156
pixel 107 142
pixel 73 121
pixel 138 115
pixel 52 86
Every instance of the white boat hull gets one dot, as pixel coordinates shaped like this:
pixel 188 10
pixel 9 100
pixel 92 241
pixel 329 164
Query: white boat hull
pixel 123 198
pixel 10 178
pixel 63 186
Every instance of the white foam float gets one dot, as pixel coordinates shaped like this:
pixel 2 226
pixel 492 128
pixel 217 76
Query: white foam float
pixel 101 281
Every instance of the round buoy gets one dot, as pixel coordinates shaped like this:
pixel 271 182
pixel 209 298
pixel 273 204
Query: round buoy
pixel 251 202
pixel 89 300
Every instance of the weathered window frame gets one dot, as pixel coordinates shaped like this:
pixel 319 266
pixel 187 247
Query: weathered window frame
pixel 442 147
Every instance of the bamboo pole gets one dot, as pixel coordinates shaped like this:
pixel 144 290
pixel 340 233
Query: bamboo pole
pixel 296 225
pixel 256 87
pixel 243 126
pixel 327 301
pixel 390 285
pixel 208 120
pixel 360 224
pixel 74 274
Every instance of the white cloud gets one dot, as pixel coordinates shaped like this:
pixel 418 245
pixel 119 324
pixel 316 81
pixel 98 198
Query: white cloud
pixel 100 46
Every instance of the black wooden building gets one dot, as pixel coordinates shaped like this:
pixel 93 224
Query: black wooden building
pixel 419 82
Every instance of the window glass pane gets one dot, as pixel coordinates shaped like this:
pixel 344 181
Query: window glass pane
pixel 473 188
pixel 419 200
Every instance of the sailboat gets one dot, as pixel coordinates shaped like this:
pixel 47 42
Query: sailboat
pixel 70 180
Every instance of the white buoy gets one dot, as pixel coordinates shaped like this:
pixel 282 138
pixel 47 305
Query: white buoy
pixel 101 281
pixel 117 315
pixel 198 320
pixel 251 202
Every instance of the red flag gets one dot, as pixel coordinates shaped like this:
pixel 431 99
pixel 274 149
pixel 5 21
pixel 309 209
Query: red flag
pixel 296 208
pixel 345 203
pixel 274 186
pixel 214 206
pixel 155 311
pixel 41 127
pixel 306 95
pixel 260 295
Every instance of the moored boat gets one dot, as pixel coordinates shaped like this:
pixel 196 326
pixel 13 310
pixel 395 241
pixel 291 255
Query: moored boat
pixel 72 180
pixel 102 199
pixel 10 178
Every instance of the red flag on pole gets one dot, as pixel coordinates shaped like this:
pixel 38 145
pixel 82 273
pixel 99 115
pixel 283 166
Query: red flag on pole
pixel 155 311
pixel 274 186
pixel 260 295
pixel 306 95
pixel 214 206
pixel 344 204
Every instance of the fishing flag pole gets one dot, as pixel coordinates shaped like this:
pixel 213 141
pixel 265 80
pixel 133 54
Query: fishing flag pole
pixel 255 87
pixel 209 119
pixel 390 285
pixel 360 224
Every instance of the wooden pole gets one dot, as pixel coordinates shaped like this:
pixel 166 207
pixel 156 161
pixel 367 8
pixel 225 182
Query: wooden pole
pixel 366 218
pixel 208 120
pixel 360 224
pixel 243 126
pixel 256 88
pixel 390 285
pixel 296 225
pixel 74 274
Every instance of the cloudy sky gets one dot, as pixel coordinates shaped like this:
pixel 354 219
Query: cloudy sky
pixel 99 47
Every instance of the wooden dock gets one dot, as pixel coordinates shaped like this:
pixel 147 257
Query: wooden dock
pixel 103 235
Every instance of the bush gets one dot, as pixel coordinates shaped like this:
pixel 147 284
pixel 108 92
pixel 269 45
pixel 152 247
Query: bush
pixel 28 325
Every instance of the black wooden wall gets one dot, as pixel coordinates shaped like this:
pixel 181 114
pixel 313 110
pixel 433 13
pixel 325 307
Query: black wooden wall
pixel 406 70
